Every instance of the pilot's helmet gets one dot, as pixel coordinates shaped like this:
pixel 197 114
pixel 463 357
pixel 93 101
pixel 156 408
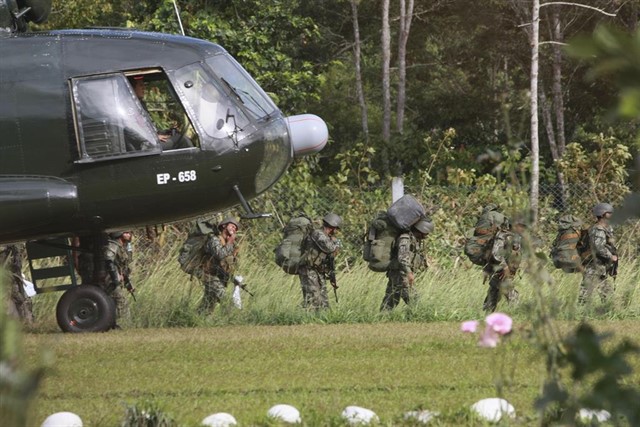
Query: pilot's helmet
pixel 229 220
pixel 332 220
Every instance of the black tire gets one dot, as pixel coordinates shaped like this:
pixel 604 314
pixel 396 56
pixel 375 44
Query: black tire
pixel 86 308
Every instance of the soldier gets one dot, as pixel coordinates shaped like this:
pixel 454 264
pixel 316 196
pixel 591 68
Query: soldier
pixel 19 304
pixel 89 259
pixel 506 254
pixel 407 259
pixel 603 259
pixel 222 256
pixel 318 247
pixel 116 261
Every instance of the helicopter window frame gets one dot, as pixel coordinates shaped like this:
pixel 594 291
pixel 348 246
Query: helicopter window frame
pixel 166 109
pixel 104 132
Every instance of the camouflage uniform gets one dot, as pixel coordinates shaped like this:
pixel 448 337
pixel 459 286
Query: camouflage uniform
pixel 216 274
pixel 407 258
pixel 602 246
pixel 505 252
pixel 19 303
pixel 317 249
pixel 116 259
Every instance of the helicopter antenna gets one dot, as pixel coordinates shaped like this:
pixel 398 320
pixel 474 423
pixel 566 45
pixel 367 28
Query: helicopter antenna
pixel 175 7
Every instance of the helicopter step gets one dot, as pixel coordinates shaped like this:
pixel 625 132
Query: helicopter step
pixel 81 308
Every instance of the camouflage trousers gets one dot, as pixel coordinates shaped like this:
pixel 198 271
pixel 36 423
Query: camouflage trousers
pixel 595 280
pixel 499 286
pixel 398 287
pixel 314 289
pixel 214 292
pixel 117 293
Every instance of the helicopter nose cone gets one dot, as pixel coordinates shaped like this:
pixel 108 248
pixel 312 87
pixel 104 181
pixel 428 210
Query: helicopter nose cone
pixel 309 134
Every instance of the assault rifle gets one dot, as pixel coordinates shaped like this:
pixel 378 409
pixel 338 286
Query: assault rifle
pixel 129 287
pixel 612 268
pixel 331 266
pixel 238 281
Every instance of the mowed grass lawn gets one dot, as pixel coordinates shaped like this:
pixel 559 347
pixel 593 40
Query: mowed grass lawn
pixel 390 368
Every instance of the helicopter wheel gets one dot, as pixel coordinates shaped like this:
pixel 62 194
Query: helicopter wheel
pixel 85 308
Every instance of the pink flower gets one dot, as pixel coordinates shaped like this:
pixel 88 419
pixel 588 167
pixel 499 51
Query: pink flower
pixel 489 338
pixel 469 326
pixel 499 322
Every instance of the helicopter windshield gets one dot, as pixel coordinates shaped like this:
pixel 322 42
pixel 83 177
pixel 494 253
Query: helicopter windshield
pixel 238 81
pixel 218 116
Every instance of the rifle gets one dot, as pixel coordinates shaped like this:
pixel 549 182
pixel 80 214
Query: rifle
pixel 612 269
pixel 331 265
pixel 129 287
pixel 238 281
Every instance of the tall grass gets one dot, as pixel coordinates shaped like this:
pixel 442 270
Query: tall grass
pixel 167 297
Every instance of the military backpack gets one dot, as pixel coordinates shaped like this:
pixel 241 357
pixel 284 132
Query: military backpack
pixel 379 242
pixel 192 256
pixel 478 246
pixel 289 252
pixel 568 248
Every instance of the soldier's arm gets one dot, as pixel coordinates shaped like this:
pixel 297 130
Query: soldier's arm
pixel 216 249
pixel 404 253
pixel 497 250
pixel 110 264
pixel 599 244
pixel 324 242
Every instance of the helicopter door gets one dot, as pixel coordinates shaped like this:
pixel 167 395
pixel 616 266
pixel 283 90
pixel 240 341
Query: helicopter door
pixel 110 121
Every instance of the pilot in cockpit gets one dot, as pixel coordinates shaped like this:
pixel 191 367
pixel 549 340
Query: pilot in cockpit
pixel 170 138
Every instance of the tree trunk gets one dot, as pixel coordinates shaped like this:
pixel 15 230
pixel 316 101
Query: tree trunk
pixel 356 60
pixel 406 15
pixel 386 91
pixel 558 102
pixel 535 144
pixel 555 152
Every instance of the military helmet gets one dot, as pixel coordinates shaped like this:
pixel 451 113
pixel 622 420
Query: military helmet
pixel 424 226
pixel 229 220
pixel 116 234
pixel 490 207
pixel 332 220
pixel 602 208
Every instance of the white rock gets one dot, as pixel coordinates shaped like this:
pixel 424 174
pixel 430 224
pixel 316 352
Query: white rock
pixel 422 417
pixel 587 415
pixel 62 419
pixel 492 409
pixel 357 415
pixel 286 413
pixel 219 419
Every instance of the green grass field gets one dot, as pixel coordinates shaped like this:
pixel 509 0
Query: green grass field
pixel 390 368
pixel 272 351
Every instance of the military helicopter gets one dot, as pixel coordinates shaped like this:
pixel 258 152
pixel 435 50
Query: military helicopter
pixel 83 150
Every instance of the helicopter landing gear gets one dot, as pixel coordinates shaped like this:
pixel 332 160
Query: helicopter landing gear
pixel 86 308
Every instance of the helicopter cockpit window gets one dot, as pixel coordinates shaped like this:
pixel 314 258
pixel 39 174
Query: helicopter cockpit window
pixel 218 115
pixel 171 123
pixel 255 100
pixel 110 119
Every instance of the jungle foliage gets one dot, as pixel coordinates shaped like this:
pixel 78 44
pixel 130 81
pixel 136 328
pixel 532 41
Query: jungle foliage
pixel 467 76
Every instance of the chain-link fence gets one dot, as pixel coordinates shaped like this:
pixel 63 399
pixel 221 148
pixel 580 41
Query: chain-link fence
pixel 453 209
